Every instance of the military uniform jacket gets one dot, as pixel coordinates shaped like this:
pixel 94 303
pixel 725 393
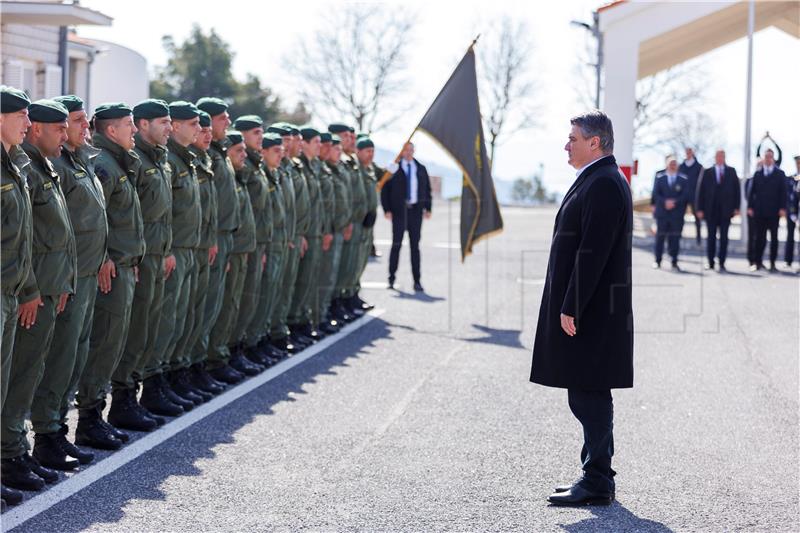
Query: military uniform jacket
pixel 316 214
pixel 154 187
pixel 277 201
pixel 54 258
pixel 225 185
pixel 258 187
pixel 302 201
pixel 116 169
pixel 287 184
pixel 358 194
pixel 244 238
pixel 17 228
pixel 341 191
pixel 87 207
pixel 186 210
pixel 208 198
pixel 328 194
pixel 370 180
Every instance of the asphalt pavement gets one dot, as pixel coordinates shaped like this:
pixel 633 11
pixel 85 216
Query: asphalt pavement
pixel 423 419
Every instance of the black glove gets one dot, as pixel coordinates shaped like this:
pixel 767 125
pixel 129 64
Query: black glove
pixel 369 220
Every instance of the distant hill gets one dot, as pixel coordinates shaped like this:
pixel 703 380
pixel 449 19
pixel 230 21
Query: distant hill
pixel 451 176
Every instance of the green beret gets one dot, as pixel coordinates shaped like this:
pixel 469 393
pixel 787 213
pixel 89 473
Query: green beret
pixel 182 110
pixel 271 139
pixel 205 119
pixel 71 102
pixel 281 128
pixel 335 139
pixel 248 122
pixel 234 137
pixel 309 133
pixel 325 137
pixel 12 100
pixel 47 111
pixel 211 105
pixel 112 111
pixel 362 134
pixel 365 142
pixel 293 130
pixel 338 127
pixel 150 109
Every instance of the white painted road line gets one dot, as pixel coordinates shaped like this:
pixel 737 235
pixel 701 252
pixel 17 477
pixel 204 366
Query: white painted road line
pixel 63 490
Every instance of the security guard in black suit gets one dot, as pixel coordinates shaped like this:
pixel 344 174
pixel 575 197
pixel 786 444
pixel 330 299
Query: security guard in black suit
pixel 766 203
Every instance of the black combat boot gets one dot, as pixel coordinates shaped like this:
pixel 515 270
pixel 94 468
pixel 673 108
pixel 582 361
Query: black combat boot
pixel 48 475
pixel 16 473
pixel 155 400
pixel 82 456
pixel 226 374
pixel 202 381
pixel 242 364
pixel 257 357
pixel 11 496
pixel 364 305
pixel 284 345
pixel 173 396
pixel 185 377
pixel 48 451
pixel 126 413
pixel 180 388
pixel 92 431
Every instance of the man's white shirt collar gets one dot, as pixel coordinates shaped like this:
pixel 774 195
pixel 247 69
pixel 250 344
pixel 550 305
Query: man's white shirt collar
pixel 590 164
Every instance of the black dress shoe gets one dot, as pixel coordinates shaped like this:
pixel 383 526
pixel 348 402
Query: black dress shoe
pixel 577 496
pixel 17 474
pixel 11 496
pixel 565 488
pixel 722 267
pixel 418 287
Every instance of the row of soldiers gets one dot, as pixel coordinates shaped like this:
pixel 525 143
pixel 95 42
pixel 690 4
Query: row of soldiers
pixel 155 248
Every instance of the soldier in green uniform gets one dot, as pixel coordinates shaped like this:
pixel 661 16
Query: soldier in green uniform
pixel 178 289
pixel 246 338
pixel 154 189
pixel 342 228
pixel 70 347
pixel 271 154
pixel 282 336
pixel 116 167
pixel 15 254
pixel 347 278
pixel 48 285
pixel 327 194
pixel 227 222
pixel 279 344
pixel 205 257
pixel 305 293
pixel 244 243
pixel 368 171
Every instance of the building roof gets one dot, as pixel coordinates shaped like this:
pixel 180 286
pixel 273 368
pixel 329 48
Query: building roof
pixel 51 14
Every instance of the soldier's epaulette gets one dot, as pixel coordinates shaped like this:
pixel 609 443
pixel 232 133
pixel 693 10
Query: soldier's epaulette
pixel 7 187
pixel 150 171
pixel 297 162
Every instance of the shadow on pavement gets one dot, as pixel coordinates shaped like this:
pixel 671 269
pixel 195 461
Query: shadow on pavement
pixel 419 296
pixel 500 337
pixel 105 500
pixel 615 518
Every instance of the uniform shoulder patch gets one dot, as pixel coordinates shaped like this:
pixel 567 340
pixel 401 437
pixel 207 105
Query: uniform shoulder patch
pixel 150 171
pixel 7 187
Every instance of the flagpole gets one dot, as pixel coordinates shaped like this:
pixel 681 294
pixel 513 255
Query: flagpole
pixel 449 265
pixel 387 174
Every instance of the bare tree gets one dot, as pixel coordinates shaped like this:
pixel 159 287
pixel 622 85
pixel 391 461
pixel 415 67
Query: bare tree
pixel 506 85
pixel 354 63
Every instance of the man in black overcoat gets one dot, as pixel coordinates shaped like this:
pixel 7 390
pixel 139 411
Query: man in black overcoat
pixel 717 202
pixel 766 204
pixel 671 193
pixel 584 336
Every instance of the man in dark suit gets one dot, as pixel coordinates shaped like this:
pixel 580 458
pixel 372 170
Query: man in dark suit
pixel 792 204
pixel 671 193
pixel 584 336
pixel 691 168
pixel 717 202
pixel 406 199
pixel 766 203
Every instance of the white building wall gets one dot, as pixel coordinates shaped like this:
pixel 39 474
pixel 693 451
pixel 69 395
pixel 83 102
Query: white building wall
pixel 119 74
pixel 36 47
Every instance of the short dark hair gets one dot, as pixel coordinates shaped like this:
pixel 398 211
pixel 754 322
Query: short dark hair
pixel 595 123
pixel 770 150
pixel 101 125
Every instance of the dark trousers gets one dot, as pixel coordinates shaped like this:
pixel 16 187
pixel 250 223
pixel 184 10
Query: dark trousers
pixel 751 240
pixel 697 223
pixel 788 252
pixel 712 225
pixel 764 225
pixel 409 220
pixel 594 409
pixel 668 229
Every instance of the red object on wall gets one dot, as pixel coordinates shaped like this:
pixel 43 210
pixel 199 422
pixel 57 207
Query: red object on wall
pixel 626 171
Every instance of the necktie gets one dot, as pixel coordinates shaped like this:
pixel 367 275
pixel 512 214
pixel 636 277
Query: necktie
pixel 408 182
pixel 671 180
pixel 719 175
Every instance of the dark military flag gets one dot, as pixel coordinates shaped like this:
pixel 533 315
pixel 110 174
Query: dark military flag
pixel 454 121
